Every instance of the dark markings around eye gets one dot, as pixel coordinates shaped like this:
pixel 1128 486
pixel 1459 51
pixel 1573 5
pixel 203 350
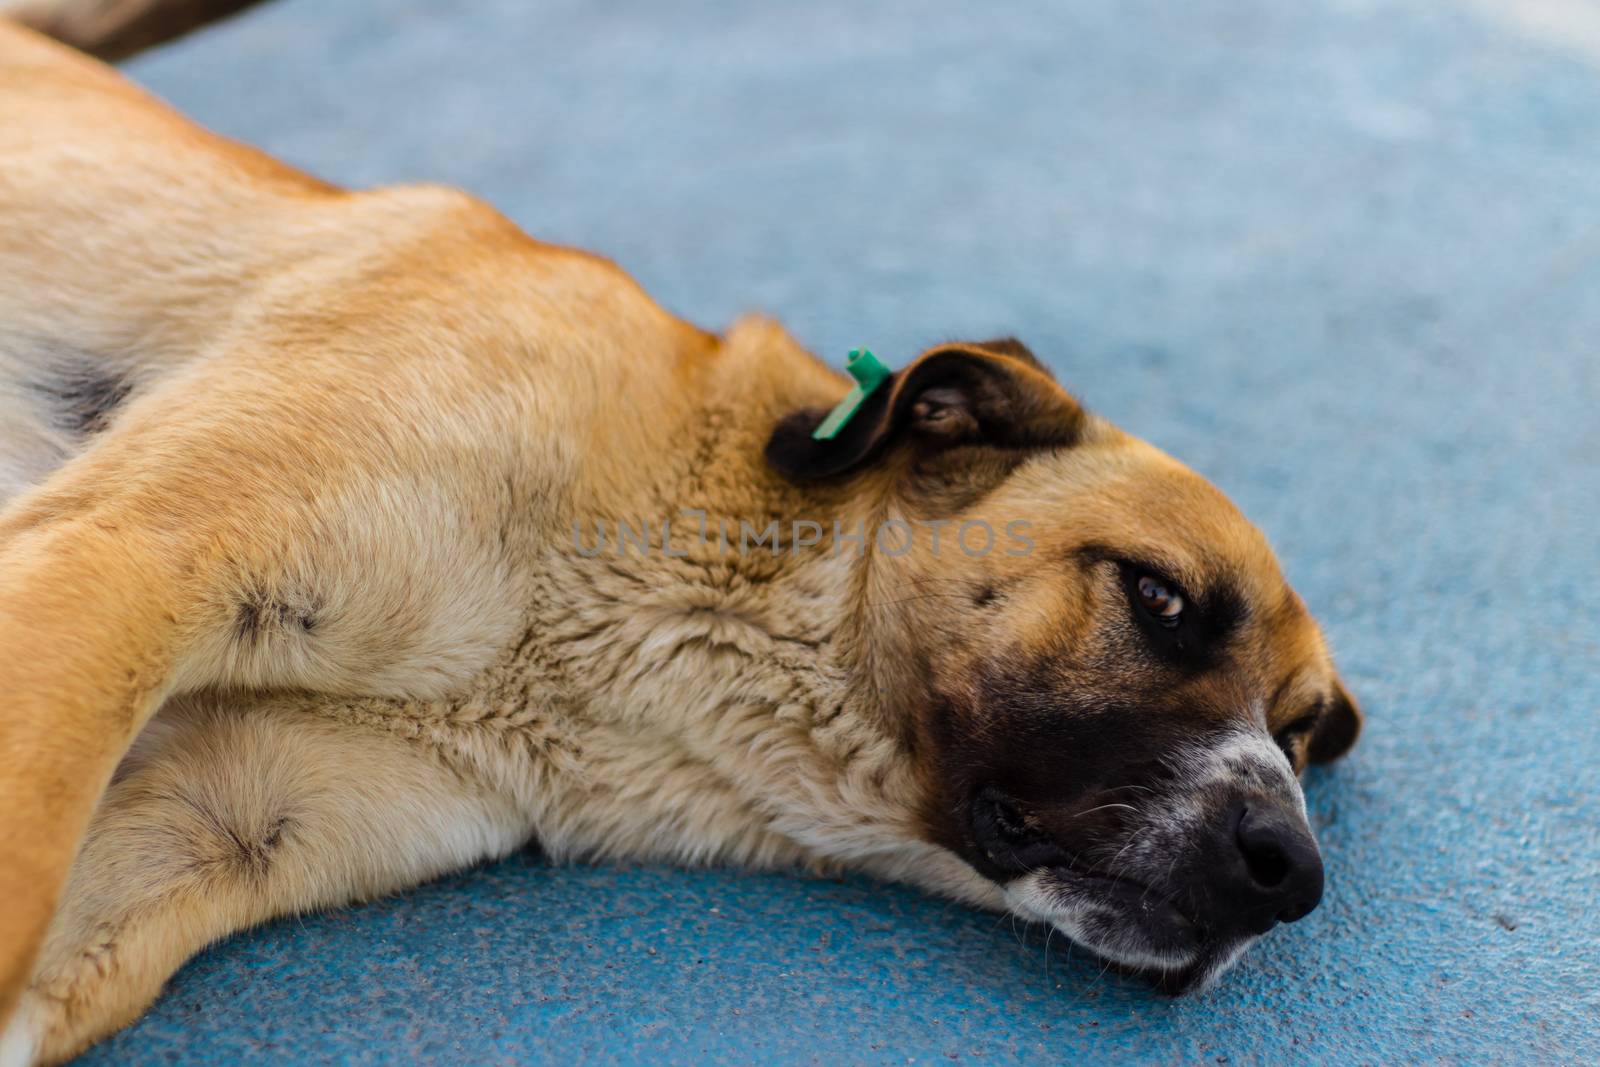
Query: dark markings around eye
pixel 1199 638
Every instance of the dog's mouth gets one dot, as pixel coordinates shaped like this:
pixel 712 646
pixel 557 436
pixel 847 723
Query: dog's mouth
pixel 1171 878
pixel 1213 960
pixel 1139 930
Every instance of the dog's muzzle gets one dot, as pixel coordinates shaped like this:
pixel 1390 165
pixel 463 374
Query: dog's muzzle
pixel 1174 881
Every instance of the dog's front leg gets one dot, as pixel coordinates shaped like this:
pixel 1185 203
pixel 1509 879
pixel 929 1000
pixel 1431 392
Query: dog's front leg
pixel 220 535
pixel 87 638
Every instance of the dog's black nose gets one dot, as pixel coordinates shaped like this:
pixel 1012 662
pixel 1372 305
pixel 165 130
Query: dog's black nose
pixel 1275 873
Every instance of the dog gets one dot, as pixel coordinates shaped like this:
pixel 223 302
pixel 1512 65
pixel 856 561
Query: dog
pixel 352 538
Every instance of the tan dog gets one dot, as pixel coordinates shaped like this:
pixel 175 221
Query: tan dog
pixel 352 538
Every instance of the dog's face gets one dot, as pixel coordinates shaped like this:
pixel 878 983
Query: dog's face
pixel 1111 705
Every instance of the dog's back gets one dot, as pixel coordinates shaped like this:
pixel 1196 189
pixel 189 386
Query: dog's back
pixel 107 196
pixel 134 242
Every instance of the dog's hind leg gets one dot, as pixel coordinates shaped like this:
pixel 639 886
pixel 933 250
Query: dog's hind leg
pixel 225 816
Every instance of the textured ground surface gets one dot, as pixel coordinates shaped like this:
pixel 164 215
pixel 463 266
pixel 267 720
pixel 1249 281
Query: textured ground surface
pixel 1342 257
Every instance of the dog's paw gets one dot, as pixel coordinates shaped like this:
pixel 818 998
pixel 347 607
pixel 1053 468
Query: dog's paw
pixel 21 1036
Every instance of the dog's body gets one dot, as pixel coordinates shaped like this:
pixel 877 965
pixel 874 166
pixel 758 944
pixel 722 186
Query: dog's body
pixel 302 597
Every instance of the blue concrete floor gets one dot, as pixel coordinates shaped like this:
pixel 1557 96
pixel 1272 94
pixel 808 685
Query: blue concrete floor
pixel 1343 256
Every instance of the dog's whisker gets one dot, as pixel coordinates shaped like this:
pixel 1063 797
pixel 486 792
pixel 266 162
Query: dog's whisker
pixel 1134 837
pixel 1103 807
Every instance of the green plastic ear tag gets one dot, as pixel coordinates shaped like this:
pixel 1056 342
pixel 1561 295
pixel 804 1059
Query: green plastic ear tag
pixel 869 373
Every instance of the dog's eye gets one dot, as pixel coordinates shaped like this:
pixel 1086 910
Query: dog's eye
pixel 1160 600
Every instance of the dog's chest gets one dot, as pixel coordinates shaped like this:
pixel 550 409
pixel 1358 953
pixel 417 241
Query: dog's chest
pixel 651 708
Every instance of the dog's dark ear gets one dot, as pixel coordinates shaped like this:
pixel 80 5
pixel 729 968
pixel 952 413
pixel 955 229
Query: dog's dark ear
pixel 1337 727
pixel 989 393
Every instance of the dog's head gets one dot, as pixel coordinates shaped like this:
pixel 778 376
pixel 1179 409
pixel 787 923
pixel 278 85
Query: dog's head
pixel 1109 688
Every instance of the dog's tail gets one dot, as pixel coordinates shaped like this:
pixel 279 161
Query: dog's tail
pixel 116 29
